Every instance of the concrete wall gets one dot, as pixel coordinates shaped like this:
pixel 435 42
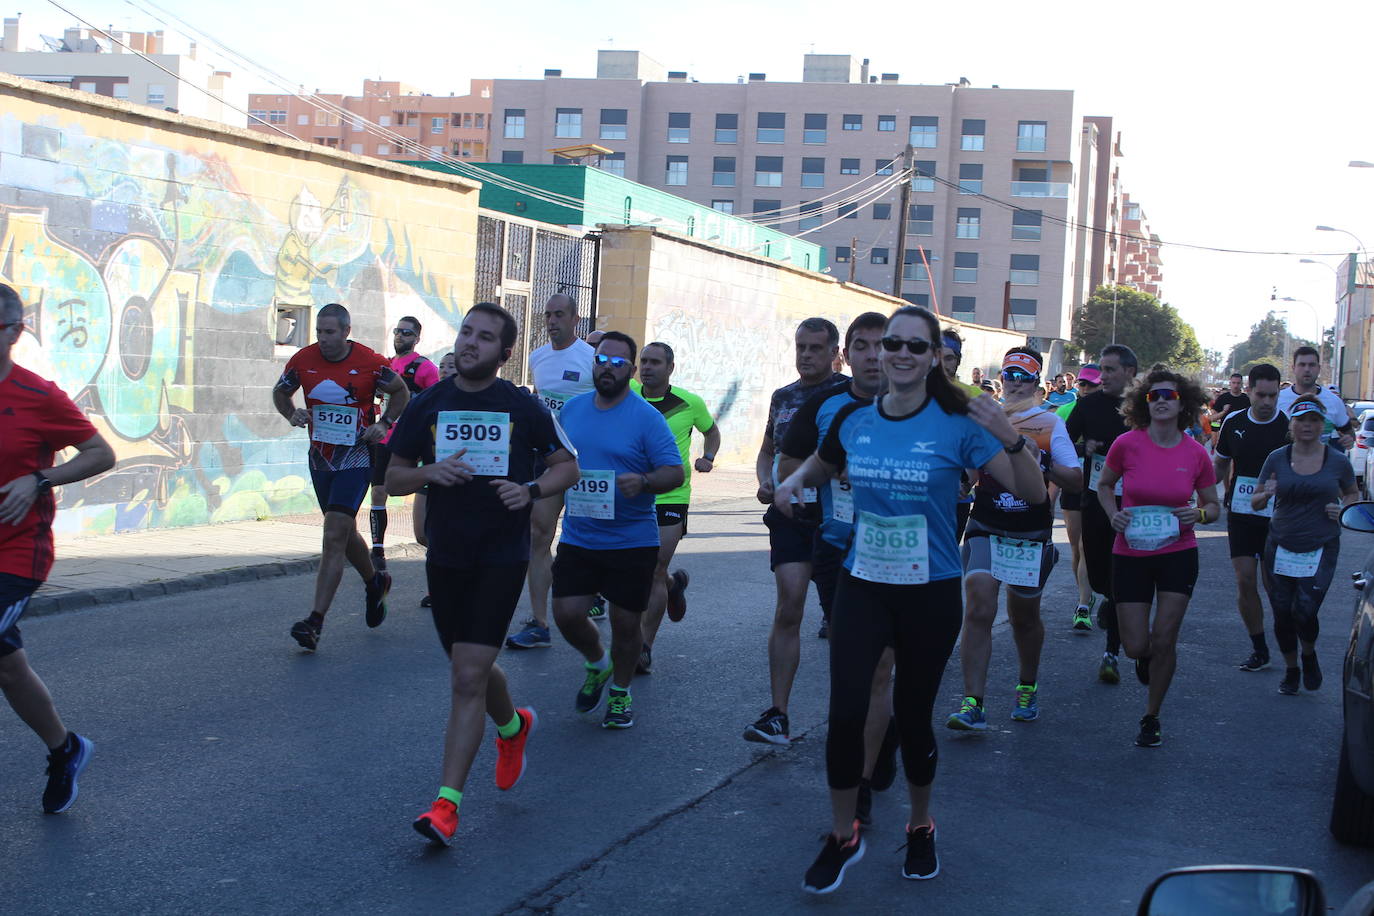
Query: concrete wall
pixel 731 319
pixel 152 252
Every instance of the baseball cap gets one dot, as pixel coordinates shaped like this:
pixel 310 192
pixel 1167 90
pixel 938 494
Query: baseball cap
pixel 1090 374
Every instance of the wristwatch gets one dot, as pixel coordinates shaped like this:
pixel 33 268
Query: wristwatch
pixel 710 458
pixel 1016 446
pixel 44 484
pixel 535 492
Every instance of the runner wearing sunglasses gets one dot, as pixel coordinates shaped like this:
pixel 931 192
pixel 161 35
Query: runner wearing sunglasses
pixel 1155 553
pixel 1071 504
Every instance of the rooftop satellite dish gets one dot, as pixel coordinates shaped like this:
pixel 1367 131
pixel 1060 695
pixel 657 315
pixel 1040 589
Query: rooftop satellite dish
pixel 54 44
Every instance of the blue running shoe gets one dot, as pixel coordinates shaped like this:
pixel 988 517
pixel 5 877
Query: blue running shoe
pixel 533 636
pixel 969 718
pixel 64 766
pixel 1027 709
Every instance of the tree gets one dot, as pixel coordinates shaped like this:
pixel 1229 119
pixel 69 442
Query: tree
pixel 1269 342
pixel 1151 328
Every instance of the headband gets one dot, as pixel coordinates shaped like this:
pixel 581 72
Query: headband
pixel 951 344
pixel 1022 361
pixel 1305 407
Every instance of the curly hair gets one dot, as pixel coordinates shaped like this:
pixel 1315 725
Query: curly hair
pixel 1192 400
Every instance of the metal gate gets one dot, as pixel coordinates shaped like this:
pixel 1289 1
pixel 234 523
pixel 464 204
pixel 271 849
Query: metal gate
pixel 520 264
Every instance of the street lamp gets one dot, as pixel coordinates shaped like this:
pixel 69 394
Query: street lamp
pixel 1343 232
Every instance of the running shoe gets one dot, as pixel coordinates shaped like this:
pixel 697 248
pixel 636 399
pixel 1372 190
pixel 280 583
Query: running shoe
pixel 863 805
pixel 922 863
pixel 1082 619
pixel 827 872
pixel 1311 672
pixel 64 766
pixel 439 823
pixel 677 594
pixel 619 712
pixel 885 768
pixel 426 601
pixel 589 695
pixel 376 599
pixel 645 665
pixel 306 633
pixel 597 611
pixel 824 631
pixel 1256 662
pixel 1149 732
pixel 969 718
pixel 1142 670
pixel 1289 685
pixel 532 636
pixel 510 752
pixel 379 559
pixel 1108 672
pixel 771 728
pixel 1027 708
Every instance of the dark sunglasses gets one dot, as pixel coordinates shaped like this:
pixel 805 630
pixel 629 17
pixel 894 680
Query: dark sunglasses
pixel 12 324
pixel 914 347
pixel 615 362
pixel 1161 394
pixel 1018 375
pixel 404 332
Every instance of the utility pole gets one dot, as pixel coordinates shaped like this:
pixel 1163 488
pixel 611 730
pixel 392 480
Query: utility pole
pixel 901 224
pixel 853 256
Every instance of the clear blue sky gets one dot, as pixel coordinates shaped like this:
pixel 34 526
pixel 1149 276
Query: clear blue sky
pixel 1238 121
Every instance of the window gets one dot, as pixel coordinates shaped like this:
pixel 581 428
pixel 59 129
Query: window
pixel 1025 270
pixel 970 178
pixel 723 206
pixel 878 256
pixel 465 121
pixel 86 87
pixel 921 299
pixel 967 223
pixel 766 208
pixel 1028 173
pixel 727 128
pixel 356 124
pixel 385 121
pixel 883 166
pixel 813 173
pixel 924 131
pixel 121 90
pixel 972 134
pixel 849 211
pixel 679 127
pixel 157 95
pixel 963 308
pixel 771 127
pixel 921 219
pixel 293 325
pixel 914 267
pixel 480 122
pixel 810 215
pixel 614 164
pixel 567 122
pixel 849 166
pixel 515 123
pixel 438 125
pixel 301 120
pixel 1030 136
pixel 814 128
pixel 258 113
pixel 854 122
pixel 677 171
pixel 842 254
pixel 1025 225
pixel 1132 212
pixel 882 211
pixel 332 141
pixel 613 121
pixel 965 267
pixel 1023 314
pixel 276 116
pixel 887 122
pixel 355 148
pixel 383 149
pixel 768 171
pixel 723 171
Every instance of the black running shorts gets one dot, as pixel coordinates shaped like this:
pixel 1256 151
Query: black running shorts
pixel 624 577
pixel 790 540
pixel 475 604
pixel 670 514
pixel 15 592
pixel 1135 580
pixel 1246 534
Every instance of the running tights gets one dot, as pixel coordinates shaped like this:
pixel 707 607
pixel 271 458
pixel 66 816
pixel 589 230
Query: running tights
pixel 1296 601
pixel 1098 536
pixel 921 623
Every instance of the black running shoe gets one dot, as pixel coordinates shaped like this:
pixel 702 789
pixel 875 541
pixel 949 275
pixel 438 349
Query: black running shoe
pixel 1311 672
pixel 64 766
pixel 824 631
pixel 922 863
pixel 1289 685
pixel 885 768
pixel 1256 662
pixel 426 601
pixel 645 665
pixel 771 728
pixel 1149 732
pixel 1142 670
pixel 376 599
pixel 379 558
pixel 306 633
pixel 827 872
pixel 863 807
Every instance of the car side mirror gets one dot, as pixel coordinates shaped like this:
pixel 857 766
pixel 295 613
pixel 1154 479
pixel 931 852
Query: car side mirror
pixel 1234 890
pixel 1358 516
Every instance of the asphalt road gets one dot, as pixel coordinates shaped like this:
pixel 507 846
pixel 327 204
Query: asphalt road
pixel 235 773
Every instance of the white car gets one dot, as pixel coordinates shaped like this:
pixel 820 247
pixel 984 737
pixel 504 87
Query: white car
pixel 1362 455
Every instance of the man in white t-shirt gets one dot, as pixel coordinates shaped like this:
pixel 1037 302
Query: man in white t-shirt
pixel 1307 366
pixel 560 370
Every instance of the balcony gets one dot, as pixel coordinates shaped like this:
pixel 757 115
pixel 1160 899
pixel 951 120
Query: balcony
pixel 1057 189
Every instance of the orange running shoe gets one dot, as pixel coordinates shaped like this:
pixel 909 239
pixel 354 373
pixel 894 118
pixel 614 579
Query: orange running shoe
pixel 439 823
pixel 510 752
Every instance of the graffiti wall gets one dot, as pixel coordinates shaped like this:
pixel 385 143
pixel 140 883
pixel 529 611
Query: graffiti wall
pixel 731 318
pixel 169 267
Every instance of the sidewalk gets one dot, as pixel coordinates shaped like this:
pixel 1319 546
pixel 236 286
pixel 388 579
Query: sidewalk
pixel 143 564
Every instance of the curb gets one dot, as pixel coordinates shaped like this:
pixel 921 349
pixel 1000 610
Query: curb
pixel 43 603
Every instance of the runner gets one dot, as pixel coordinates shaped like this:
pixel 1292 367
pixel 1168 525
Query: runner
pixel 1154 558
pixel 684 412
pixel 1231 401
pixel 1307 368
pixel 418 373
pixel 900 587
pixel 38 420
pixel 447 370
pixel 341 378
pixel 561 370
pixel 1071 505
pixel 1059 393
pixel 790 536
pixel 610 535
pixel 487 436
pixel 953 355
pixel 1011 541
pixel 1245 441
pixel 1309 483
pixel 1096 421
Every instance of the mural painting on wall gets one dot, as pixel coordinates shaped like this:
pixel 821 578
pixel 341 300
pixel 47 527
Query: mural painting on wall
pixel 151 278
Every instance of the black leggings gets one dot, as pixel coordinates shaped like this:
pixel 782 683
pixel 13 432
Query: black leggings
pixel 1098 536
pixel 921 623
pixel 1296 601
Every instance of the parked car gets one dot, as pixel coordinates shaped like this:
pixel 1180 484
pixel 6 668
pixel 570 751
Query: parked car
pixel 1364 449
pixel 1245 890
pixel 1352 808
pixel 1359 407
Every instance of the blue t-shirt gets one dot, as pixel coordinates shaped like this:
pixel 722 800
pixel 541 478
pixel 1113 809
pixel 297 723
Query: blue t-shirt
pixel 909 466
pixel 1060 398
pixel 805 434
pixel 630 438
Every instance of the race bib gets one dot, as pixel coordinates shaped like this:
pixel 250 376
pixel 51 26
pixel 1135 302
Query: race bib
pixel 892 550
pixel 808 495
pixel 1151 528
pixel 1016 562
pixel 841 501
pixel 554 400
pixel 593 496
pixel 1095 473
pixel 1297 565
pixel 484 433
pixel 334 424
pixel 1240 498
